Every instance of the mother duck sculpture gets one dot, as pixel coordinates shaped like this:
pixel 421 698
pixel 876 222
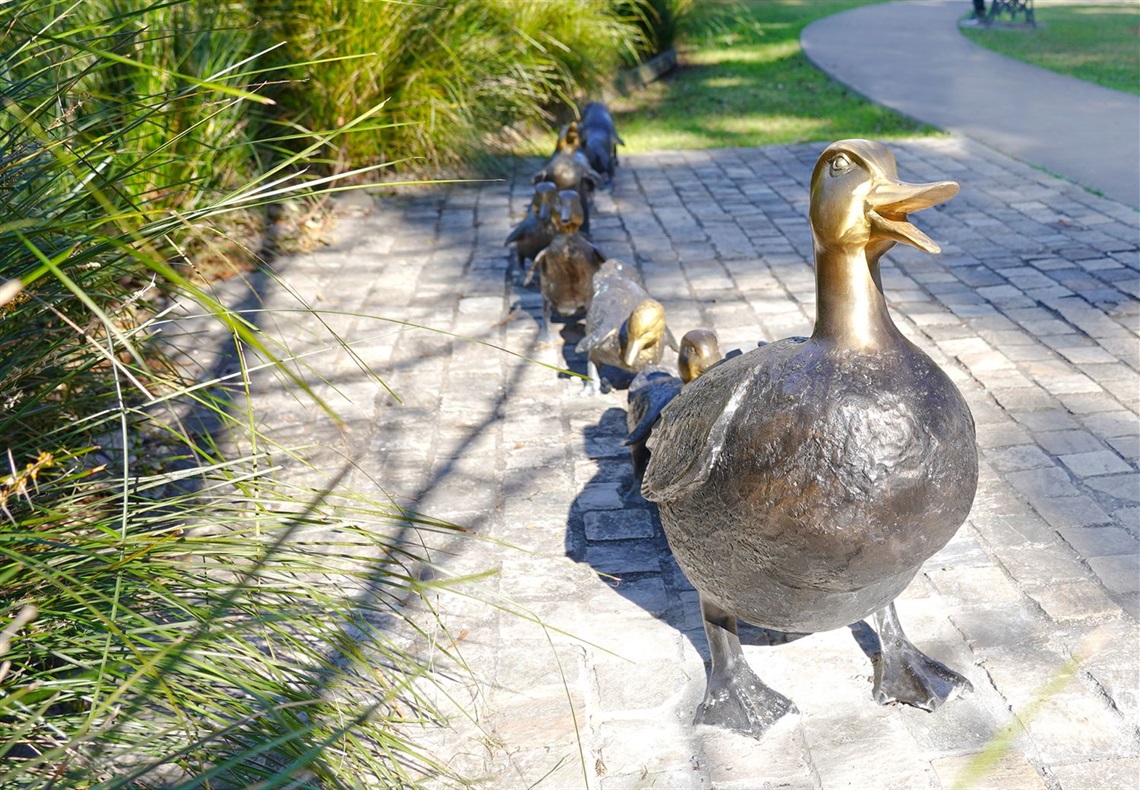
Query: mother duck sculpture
pixel 803 484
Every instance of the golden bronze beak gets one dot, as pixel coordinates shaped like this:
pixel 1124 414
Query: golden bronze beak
pixel 889 202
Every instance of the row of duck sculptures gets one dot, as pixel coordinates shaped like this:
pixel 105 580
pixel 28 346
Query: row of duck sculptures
pixel 801 485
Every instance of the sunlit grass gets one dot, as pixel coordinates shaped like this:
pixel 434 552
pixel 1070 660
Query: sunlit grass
pixel 744 81
pixel 1100 44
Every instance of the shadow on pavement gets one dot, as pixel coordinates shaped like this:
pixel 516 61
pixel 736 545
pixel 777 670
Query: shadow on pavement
pixel 618 534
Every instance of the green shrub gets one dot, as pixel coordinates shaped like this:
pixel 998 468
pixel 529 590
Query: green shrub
pixel 661 21
pixel 450 73
pixel 170 613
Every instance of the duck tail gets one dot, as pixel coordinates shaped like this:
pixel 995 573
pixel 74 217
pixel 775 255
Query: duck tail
pixel 642 430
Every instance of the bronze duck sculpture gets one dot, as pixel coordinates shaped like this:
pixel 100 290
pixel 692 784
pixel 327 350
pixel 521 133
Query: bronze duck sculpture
pixel 599 138
pixel 625 326
pixel 566 267
pixel 654 387
pixel 802 485
pixel 536 230
pixel 568 168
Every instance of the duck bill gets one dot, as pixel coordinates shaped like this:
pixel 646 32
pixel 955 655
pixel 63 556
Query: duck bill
pixel 632 350
pixel 890 202
pixel 544 212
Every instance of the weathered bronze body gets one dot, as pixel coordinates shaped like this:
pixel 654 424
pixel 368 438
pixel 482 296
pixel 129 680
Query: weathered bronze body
pixel 566 267
pixel 569 169
pixel 599 138
pixel 652 389
pixel 536 230
pixel 803 484
pixel 625 326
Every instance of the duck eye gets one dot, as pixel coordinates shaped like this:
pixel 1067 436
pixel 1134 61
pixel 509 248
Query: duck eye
pixel 840 164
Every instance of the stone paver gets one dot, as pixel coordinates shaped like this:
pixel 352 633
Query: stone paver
pixel 588 671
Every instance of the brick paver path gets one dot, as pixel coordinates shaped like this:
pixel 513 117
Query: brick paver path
pixel 1031 308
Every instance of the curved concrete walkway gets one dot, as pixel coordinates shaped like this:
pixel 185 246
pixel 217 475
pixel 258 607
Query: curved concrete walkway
pixel 911 57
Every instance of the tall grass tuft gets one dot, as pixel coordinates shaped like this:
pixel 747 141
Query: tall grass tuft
pixel 451 73
pixel 173 611
pixel 662 22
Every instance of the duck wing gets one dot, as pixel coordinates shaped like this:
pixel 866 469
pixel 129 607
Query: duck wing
pixel 648 396
pixel 596 338
pixel 533 267
pixel 689 437
pixel 523 227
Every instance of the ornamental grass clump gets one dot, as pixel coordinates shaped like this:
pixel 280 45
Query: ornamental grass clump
pixel 173 611
pixel 452 73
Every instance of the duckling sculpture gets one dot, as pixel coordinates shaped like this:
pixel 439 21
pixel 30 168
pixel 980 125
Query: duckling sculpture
pixel 569 169
pixel 567 266
pixel 599 138
pixel 536 230
pixel 801 485
pixel 625 327
pixel 652 389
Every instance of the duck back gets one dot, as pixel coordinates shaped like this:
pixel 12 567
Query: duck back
pixel 567 273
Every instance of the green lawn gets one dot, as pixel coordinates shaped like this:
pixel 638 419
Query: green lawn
pixel 744 81
pixel 1100 44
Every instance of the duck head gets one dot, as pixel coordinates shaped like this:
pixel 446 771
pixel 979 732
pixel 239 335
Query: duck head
pixel 859 210
pixel 642 334
pixel 569 139
pixel 569 216
pixel 700 350
pixel 858 201
pixel 544 200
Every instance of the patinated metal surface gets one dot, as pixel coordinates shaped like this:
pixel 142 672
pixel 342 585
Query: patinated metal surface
pixel 536 230
pixel 700 350
pixel 599 138
pixel 625 326
pixel 802 485
pixel 569 168
pixel 566 267
pixel 654 387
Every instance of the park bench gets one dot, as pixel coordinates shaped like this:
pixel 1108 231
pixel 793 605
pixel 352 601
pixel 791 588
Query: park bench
pixel 1013 8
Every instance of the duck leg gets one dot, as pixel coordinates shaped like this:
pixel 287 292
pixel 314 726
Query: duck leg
pixel 594 384
pixel 905 674
pixel 735 697
pixel 545 336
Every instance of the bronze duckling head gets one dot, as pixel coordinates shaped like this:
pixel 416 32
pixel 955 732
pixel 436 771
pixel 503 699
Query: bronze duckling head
pixel 568 168
pixel 566 266
pixel 536 230
pixel 569 139
pixel 802 485
pixel 700 350
pixel 642 337
pixel 652 389
pixel 625 326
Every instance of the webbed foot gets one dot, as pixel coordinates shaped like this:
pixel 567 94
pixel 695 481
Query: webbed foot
pixel 632 494
pixel 738 700
pixel 591 389
pixel 735 697
pixel 904 674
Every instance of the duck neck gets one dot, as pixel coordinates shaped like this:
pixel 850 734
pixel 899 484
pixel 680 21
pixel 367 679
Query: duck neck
pixel 850 308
